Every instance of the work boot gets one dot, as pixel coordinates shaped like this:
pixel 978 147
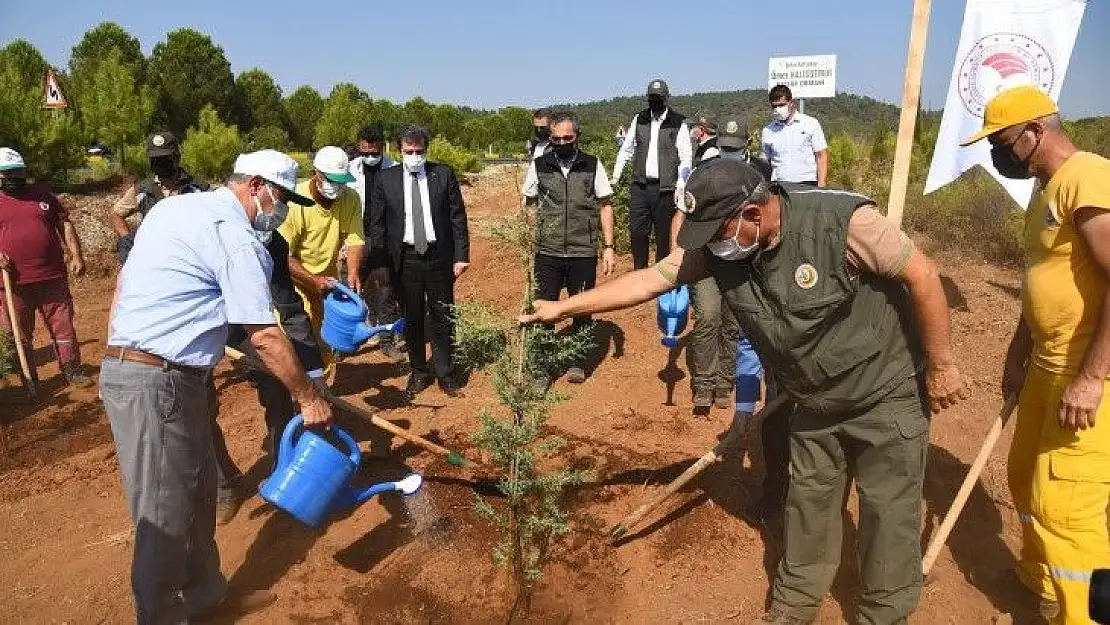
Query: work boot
pixel 235 606
pixel 576 375
pixel 722 398
pixel 778 617
pixel 74 376
pixel 1048 609
pixel 228 502
pixel 703 398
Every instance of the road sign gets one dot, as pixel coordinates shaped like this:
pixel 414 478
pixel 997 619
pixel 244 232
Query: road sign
pixel 52 93
pixel 807 76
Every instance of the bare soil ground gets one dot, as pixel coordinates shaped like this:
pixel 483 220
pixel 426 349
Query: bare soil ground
pixel 65 539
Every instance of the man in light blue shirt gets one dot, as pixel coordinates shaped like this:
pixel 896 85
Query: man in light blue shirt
pixel 198 264
pixel 794 142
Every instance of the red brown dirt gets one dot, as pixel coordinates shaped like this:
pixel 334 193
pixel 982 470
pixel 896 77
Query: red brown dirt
pixel 65 542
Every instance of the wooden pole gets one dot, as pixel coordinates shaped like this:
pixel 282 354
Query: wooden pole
pixel 911 96
pixel 969 483
pixel 17 334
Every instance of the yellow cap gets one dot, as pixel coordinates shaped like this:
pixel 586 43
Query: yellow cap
pixel 1012 107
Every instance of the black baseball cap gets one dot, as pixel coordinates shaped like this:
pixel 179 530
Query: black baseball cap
pixel 161 143
pixel 714 192
pixel 658 87
pixel 734 134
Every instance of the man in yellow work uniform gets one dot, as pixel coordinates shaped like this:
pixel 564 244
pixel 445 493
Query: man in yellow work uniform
pixel 315 234
pixel 1059 359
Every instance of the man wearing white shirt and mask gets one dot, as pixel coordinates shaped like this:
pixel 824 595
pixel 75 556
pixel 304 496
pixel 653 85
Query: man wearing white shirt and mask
pixel 418 233
pixel 658 145
pixel 794 143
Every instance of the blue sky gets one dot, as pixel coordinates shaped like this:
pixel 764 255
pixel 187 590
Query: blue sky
pixel 493 53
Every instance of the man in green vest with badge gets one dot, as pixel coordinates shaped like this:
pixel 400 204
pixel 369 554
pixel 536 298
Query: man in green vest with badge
pixel 853 320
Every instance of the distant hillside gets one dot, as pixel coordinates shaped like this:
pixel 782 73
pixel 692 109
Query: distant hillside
pixel 854 114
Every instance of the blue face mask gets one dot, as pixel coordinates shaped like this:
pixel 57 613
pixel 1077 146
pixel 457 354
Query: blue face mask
pixel 268 222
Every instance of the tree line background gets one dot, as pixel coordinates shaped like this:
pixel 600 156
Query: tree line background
pixel 116 96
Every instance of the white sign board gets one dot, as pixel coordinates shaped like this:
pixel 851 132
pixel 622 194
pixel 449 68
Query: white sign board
pixel 807 76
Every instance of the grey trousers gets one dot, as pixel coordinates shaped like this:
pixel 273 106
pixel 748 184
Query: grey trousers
pixel 713 340
pixel 161 422
pixel 885 448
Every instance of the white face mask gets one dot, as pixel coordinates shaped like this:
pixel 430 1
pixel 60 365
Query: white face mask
pixel 730 249
pixel 370 161
pixel 781 112
pixel 329 189
pixel 413 162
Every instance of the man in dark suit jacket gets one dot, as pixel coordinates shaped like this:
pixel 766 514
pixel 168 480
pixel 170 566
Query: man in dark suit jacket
pixel 418 232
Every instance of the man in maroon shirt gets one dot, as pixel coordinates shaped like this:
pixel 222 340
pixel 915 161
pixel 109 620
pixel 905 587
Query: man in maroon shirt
pixel 33 225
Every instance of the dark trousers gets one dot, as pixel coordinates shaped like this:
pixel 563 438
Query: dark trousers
pixel 554 273
pixel 427 287
pixel 883 448
pixel 775 436
pixel 649 209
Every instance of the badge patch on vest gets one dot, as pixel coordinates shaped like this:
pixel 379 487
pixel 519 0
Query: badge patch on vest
pixel 805 276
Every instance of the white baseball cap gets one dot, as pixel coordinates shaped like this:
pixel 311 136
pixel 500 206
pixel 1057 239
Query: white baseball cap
pixel 10 159
pixel 276 168
pixel 333 163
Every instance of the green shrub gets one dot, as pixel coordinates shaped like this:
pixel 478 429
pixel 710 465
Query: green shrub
pixel 266 137
pixel 480 334
pixel 7 353
pixel 210 147
pixel 460 159
pixel 304 160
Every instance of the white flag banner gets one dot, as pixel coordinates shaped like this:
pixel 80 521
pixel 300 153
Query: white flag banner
pixel 1003 44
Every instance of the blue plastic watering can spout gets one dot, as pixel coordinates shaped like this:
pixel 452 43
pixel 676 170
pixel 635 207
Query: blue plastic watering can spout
pixel 361 333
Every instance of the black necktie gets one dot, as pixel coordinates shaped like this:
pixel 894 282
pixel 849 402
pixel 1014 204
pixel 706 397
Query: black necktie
pixel 419 236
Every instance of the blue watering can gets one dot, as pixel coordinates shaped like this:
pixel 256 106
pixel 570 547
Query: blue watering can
pixel 311 478
pixel 344 328
pixel 674 308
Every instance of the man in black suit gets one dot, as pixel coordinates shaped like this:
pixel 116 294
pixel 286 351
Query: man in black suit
pixel 418 232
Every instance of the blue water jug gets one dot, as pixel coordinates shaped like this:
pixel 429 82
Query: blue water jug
pixel 344 328
pixel 311 479
pixel 673 310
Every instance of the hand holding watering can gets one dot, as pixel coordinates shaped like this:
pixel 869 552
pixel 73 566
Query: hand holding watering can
pixel 344 328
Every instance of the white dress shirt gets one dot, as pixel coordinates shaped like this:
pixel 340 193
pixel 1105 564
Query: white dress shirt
pixel 651 166
pixel 791 148
pixel 422 180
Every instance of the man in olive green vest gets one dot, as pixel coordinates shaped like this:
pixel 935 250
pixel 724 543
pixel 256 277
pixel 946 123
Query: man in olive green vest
pixel 853 320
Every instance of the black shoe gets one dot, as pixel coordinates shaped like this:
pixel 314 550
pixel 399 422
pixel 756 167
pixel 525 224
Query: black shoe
pixel 451 388
pixel 418 382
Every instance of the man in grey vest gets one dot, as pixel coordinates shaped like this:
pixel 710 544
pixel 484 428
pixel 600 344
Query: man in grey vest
pixel 571 193
pixel 853 320
pixel 168 178
pixel 658 144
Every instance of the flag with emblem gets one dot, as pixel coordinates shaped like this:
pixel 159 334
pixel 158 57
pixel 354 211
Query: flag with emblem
pixel 1003 44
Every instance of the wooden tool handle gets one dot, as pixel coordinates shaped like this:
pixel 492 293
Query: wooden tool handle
pixel 719 451
pixel 17 334
pixel 957 506
pixel 343 404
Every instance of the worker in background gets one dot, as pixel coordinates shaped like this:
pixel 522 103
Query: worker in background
pixel 167 178
pixel 658 146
